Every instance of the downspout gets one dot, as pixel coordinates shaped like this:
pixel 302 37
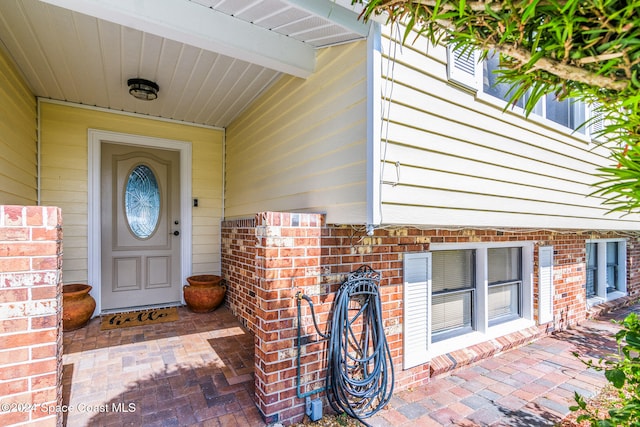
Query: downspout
pixel 38 149
pixel 374 122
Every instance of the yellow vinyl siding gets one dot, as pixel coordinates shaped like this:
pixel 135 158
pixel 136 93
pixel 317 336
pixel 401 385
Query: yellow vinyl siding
pixel 18 139
pixel 463 162
pixel 64 174
pixel 302 145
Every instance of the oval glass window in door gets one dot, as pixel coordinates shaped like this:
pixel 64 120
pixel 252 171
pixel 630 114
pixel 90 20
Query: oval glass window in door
pixel 142 201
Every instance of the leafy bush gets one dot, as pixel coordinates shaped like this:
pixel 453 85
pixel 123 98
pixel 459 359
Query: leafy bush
pixel 623 372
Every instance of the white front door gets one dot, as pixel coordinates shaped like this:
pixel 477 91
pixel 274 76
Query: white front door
pixel 140 226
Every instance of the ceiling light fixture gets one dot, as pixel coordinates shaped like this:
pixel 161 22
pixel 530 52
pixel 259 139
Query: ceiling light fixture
pixel 143 89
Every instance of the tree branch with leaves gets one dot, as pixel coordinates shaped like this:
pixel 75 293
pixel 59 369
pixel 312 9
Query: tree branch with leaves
pixel 588 50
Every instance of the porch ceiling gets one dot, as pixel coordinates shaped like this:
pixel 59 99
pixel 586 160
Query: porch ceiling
pixel 211 58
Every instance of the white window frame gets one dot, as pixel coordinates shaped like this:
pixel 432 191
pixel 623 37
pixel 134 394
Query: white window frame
pixel 418 347
pixel 601 294
pixel 445 293
pixel 510 282
pixel 475 83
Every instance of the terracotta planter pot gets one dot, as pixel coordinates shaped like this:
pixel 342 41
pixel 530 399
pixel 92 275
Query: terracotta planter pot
pixel 204 293
pixel 77 306
pixel 204 280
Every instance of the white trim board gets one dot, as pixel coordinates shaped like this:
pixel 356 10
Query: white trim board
pixel 126 113
pixel 95 139
pixel 206 28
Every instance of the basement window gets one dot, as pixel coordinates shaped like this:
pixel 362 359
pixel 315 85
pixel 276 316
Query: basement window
pixel 606 270
pixel 456 296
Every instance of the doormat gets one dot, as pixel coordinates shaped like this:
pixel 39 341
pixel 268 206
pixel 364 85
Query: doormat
pixel 138 318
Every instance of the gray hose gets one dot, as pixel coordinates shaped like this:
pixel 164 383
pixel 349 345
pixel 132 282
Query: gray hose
pixel 360 373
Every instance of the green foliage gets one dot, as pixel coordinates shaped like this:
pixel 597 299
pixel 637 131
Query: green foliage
pixel 343 419
pixel 623 372
pixel 584 49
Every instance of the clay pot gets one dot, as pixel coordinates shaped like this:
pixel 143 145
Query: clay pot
pixel 77 306
pixel 204 293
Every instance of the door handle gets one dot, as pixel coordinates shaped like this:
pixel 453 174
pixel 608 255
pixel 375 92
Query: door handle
pixel 176 233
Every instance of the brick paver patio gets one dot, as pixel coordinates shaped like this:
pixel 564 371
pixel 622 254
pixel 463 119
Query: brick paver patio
pixel 530 386
pixel 194 371
pixel 199 371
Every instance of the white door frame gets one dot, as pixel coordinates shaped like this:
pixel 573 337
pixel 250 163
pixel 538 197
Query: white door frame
pixel 96 138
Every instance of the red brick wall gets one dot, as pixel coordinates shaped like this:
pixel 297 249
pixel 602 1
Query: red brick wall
pixel 633 268
pixel 263 280
pixel 30 315
pixel 296 252
pixel 239 269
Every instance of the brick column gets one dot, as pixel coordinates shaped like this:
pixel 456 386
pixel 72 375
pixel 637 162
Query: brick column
pixel 30 315
pixel 287 260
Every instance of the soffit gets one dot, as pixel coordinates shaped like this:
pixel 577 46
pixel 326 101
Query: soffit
pixel 211 58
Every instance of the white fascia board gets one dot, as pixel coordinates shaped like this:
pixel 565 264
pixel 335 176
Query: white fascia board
pixel 193 24
pixel 335 12
pixel 357 8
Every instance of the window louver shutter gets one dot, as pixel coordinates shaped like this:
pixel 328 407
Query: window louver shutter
pixel 597 123
pixel 417 290
pixel 545 283
pixel 461 67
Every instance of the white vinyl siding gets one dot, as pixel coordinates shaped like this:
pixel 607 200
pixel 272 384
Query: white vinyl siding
pixel 450 158
pixel 301 146
pixel 545 284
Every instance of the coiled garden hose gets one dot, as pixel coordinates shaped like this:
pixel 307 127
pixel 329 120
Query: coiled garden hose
pixel 360 374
